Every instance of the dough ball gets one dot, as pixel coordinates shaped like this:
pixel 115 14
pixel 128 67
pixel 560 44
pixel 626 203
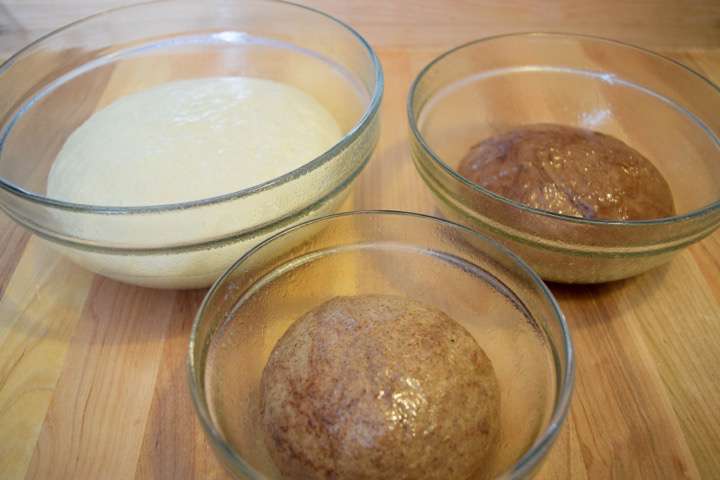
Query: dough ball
pixel 571 171
pixel 378 387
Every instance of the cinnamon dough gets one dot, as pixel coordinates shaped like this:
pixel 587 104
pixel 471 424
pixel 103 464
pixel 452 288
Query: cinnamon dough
pixel 571 171
pixel 378 387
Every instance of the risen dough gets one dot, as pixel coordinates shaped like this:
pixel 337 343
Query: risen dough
pixel 190 139
pixel 378 387
pixel 181 141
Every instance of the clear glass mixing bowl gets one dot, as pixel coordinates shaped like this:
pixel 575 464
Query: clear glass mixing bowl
pixel 656 105
pixel 53 85
pixel 473 279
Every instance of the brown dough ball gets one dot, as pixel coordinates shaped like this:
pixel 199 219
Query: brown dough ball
pixel 378 387
pixel 571 171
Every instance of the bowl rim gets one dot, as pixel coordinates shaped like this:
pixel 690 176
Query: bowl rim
pixel 530 459
pixel 415 130
pixel 347 139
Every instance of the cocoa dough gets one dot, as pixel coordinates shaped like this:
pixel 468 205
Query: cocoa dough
pixel 378 387
pixel 571 171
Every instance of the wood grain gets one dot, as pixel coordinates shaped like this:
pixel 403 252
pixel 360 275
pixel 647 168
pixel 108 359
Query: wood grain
pixel 92 372
pixel 440 24
pixel 95 422
pixel 37 320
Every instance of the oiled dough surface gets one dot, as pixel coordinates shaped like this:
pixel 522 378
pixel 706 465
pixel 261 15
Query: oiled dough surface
pixel 379 387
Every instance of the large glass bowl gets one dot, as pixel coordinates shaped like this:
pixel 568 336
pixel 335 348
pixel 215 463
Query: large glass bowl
pixel 656 105
pixel 479 283
pixel 53 85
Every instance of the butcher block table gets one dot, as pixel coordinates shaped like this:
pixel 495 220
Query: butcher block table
pixel 92 372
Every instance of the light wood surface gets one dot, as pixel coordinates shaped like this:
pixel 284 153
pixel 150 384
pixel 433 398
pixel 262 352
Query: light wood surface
pixel 92 372
pixel 438 23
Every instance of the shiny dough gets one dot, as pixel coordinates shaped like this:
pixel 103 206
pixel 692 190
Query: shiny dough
pixel 571 171
pixel 378 387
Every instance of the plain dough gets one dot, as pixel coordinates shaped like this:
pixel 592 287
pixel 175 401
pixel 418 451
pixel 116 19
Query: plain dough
pixel 190 139
pixel 181 141
pixel 378 387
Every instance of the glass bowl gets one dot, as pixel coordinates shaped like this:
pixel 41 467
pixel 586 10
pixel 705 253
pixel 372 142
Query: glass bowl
pixel 476 281
pixel 53 85
pixel 656 105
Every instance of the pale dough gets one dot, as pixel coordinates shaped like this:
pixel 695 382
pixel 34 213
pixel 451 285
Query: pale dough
pixel 181 141
pixel 190 139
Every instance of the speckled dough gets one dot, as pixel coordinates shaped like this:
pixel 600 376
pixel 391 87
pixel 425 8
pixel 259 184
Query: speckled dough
pixel 378 387
pixel 571 171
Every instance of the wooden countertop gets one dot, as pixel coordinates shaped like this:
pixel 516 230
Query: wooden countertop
pixel 92 372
